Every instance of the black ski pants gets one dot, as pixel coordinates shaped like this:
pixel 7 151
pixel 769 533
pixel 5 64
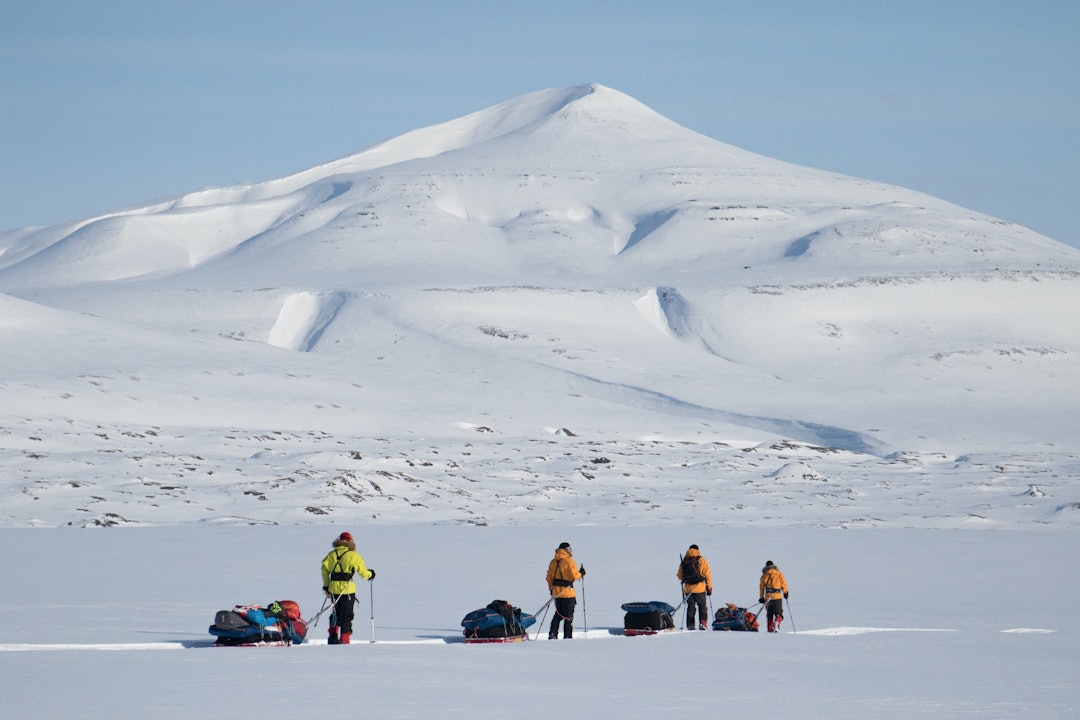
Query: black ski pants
pixel 342 614
pixel 774 608
pixel 564 612
pixel 696 602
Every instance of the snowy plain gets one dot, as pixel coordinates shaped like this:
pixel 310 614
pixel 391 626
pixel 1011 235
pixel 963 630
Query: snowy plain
pixel 882 623
pixel 560 318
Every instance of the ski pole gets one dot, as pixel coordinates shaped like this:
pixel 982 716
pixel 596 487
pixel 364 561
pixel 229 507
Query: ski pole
pixel 544 606
pixel 315 620
pixel 584 608
pixel 371 587
pixel 558 594
pixel 543 621
pixel 682 592
pixel 788 603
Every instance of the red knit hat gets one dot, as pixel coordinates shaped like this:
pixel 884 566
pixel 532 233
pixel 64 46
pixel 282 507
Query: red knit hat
pixel 347 537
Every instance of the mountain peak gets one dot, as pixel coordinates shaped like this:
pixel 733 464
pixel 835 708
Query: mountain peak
pixel 590 105
pixel 567 254
pixel 566 178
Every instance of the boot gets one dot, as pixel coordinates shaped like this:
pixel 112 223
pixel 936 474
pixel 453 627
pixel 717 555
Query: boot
pixel 334 638
pixel 567 630
pixel 772 625
pixel 553 631
pixel 346 638
pixel 779 619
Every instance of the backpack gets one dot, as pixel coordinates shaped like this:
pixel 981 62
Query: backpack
pixel 230 620
pixel 499 619
pixel 733 617
pixel 284 609
pixel 691 570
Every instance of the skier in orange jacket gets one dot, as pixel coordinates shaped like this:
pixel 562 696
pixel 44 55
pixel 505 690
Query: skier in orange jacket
pixel 772 590
pixel 561 574
pixel 697 585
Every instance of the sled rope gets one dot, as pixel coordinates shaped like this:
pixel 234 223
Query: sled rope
pixel 315 620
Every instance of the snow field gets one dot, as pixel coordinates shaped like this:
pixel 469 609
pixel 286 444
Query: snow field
pixel 560 318
pixel 891 624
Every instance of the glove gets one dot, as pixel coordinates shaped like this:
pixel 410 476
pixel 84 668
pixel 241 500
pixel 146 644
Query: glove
pixel 709 592
pixel 761 600
pixel 372 574
pixel 785 596
pixel 582 571
pixel 326 589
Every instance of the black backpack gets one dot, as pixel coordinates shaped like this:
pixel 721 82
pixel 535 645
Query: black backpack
pixel 691 570
pixel 510 614
pixel 230 620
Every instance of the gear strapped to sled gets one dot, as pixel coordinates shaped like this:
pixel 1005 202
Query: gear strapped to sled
pixel 279 623
pixel 498 622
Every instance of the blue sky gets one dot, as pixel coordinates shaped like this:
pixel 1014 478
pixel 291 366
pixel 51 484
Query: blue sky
pixel 109 104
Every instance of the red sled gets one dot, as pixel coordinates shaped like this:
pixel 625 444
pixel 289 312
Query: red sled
pixel 632 631
pixel 479 640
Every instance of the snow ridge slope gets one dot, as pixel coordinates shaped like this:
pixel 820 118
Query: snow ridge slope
pixel 567 264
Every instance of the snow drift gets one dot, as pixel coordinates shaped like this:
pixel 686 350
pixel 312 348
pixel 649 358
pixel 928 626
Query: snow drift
pixel 568 259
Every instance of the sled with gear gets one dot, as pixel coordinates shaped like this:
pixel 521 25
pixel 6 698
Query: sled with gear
pixel 648 618
pixel 733 617
pixel 498 622
pixel 278 623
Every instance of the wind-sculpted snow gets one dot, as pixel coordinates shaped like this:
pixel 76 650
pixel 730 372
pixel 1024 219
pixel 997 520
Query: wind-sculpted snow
pixel 65 472
pixel 662 192
pixel 806 432
pixel 122 246
pixel 303 318
pixel 567 269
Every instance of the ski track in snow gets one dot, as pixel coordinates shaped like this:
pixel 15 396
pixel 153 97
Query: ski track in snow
pixel 866 630
pixel 853 660
pixel 1029 631
pixel 595 634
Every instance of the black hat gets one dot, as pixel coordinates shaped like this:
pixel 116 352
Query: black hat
pixel 564 546
pixel 694 547
pixel 768 563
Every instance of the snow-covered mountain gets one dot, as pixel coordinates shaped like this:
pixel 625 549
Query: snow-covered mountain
pixel 562 306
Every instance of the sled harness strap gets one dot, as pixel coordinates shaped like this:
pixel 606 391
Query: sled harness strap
pixel 337 575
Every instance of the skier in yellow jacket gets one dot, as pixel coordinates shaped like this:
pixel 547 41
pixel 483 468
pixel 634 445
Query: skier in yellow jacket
pixel 772 590
pixel 697 584
pixel 338 568
pixel 561 574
